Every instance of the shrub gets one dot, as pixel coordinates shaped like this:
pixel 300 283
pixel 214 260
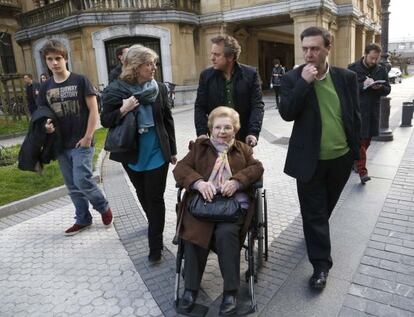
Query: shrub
pixel 8 155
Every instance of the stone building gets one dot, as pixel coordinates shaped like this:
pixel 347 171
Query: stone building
pixel 180 31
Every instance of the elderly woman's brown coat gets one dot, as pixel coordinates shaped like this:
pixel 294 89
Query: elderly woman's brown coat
pixel 198 164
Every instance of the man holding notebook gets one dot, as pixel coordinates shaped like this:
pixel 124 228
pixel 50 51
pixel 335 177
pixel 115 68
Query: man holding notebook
pixel 373 84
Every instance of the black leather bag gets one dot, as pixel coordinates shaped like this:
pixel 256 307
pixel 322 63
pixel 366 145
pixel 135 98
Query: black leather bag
pixel 123 137
pixel 221 209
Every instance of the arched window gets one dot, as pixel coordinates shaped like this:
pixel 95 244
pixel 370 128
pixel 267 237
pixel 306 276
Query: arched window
pixel 6 54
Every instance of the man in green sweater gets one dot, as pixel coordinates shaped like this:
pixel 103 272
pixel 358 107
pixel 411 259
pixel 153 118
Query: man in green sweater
pixel 323 102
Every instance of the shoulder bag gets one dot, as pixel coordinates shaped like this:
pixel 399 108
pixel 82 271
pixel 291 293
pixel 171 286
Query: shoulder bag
pixel 220 209
pixel 123 137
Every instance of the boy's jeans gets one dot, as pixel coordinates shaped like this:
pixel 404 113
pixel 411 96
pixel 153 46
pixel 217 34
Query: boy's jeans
pixel 76 167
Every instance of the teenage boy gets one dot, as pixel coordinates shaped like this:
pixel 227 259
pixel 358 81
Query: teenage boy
pixel 73 99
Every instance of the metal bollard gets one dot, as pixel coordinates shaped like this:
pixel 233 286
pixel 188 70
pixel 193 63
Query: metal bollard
pixel 385 133
pixel 407 114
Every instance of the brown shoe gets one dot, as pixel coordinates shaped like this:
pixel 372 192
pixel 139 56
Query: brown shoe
pixel 107 217
pixel 76 229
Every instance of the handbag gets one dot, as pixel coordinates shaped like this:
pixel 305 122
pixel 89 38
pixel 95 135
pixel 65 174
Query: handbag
pixel 220 209
pixel 123 137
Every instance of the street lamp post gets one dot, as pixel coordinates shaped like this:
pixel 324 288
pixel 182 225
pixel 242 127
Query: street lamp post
pixel 385 133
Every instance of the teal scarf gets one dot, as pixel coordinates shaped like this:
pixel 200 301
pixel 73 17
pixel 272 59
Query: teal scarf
pixel 147 94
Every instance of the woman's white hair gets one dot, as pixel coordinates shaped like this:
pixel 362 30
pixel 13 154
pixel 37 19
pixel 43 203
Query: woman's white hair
pixel 227 112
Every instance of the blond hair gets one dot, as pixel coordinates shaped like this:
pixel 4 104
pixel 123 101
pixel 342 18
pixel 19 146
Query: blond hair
pixel 137 55
pixel 224 112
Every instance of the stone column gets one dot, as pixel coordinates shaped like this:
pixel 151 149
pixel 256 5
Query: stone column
pixel 28 60
pixel 185 75
pixel 360 36
pixel 345 42
pixel 370 37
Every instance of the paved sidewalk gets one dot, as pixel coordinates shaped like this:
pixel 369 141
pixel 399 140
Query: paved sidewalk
pixel 105 272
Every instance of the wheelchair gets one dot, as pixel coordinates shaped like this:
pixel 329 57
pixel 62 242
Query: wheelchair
pixel 255 245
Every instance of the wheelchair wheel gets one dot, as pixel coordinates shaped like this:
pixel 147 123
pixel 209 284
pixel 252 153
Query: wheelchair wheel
pixel 259 232
pixel 260 228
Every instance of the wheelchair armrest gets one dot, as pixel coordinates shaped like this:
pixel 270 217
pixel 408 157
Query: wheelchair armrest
pixel 258 184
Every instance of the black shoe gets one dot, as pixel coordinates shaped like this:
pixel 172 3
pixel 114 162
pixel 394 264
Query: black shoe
pixel 364 178
pixel 318 279
pixel 228 304
pixel 188 300
pixel 154 256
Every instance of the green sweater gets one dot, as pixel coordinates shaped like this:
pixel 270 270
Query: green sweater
pixel 333 138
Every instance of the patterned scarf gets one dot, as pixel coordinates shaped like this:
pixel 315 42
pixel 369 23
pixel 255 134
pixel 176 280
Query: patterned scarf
pixel 221 171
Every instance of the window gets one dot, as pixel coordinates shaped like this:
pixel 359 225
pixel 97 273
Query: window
pixel 6 53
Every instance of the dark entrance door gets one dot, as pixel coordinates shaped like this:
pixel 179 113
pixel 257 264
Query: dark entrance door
pixel 150 42
pixel 268 51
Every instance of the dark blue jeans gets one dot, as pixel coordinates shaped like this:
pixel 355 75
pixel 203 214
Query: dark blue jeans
pixel 76 167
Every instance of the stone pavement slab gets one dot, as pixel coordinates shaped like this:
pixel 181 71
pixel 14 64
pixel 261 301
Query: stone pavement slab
pixel 44 273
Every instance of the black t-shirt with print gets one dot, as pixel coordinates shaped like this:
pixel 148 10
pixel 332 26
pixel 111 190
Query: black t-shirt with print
pixel 67 100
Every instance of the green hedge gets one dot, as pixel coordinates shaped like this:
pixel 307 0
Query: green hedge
pixel 16 184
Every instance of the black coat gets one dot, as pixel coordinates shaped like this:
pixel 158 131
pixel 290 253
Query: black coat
pixel 300 104
pixel 114 74
pixel 279 70
pixel 112 98
pixel 369 99
pixel 247 97
pixel 39 147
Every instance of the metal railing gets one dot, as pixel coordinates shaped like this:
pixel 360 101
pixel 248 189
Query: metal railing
pixel 64 8
pixel 13 100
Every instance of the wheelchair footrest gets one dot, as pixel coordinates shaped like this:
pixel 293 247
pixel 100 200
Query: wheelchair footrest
pixel 197 311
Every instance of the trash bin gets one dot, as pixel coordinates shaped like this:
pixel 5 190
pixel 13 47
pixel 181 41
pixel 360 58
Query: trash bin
pixel 407 114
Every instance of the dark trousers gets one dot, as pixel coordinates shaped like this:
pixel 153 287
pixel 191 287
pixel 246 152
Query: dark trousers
pixel 226 239
pixel 317 200
pixel 277 94
pixel 362 162
pixel 150 188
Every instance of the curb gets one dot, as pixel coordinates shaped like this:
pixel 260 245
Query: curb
pixel 51 194
pixel 11 136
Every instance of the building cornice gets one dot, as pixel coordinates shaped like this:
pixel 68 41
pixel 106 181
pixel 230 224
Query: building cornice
pixel 283 7
pixel 107 18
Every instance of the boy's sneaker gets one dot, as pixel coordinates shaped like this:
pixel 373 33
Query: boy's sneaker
pixel 76 229
pixel 107 217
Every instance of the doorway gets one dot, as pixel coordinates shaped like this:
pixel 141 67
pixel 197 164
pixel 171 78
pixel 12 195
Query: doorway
pixel 268 51
pixel 150 42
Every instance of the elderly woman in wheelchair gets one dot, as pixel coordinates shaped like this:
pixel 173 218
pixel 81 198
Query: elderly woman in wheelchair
pixel 216 171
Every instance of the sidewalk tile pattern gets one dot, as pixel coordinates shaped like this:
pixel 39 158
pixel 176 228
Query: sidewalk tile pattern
pixel 44 273
pixel 384 282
